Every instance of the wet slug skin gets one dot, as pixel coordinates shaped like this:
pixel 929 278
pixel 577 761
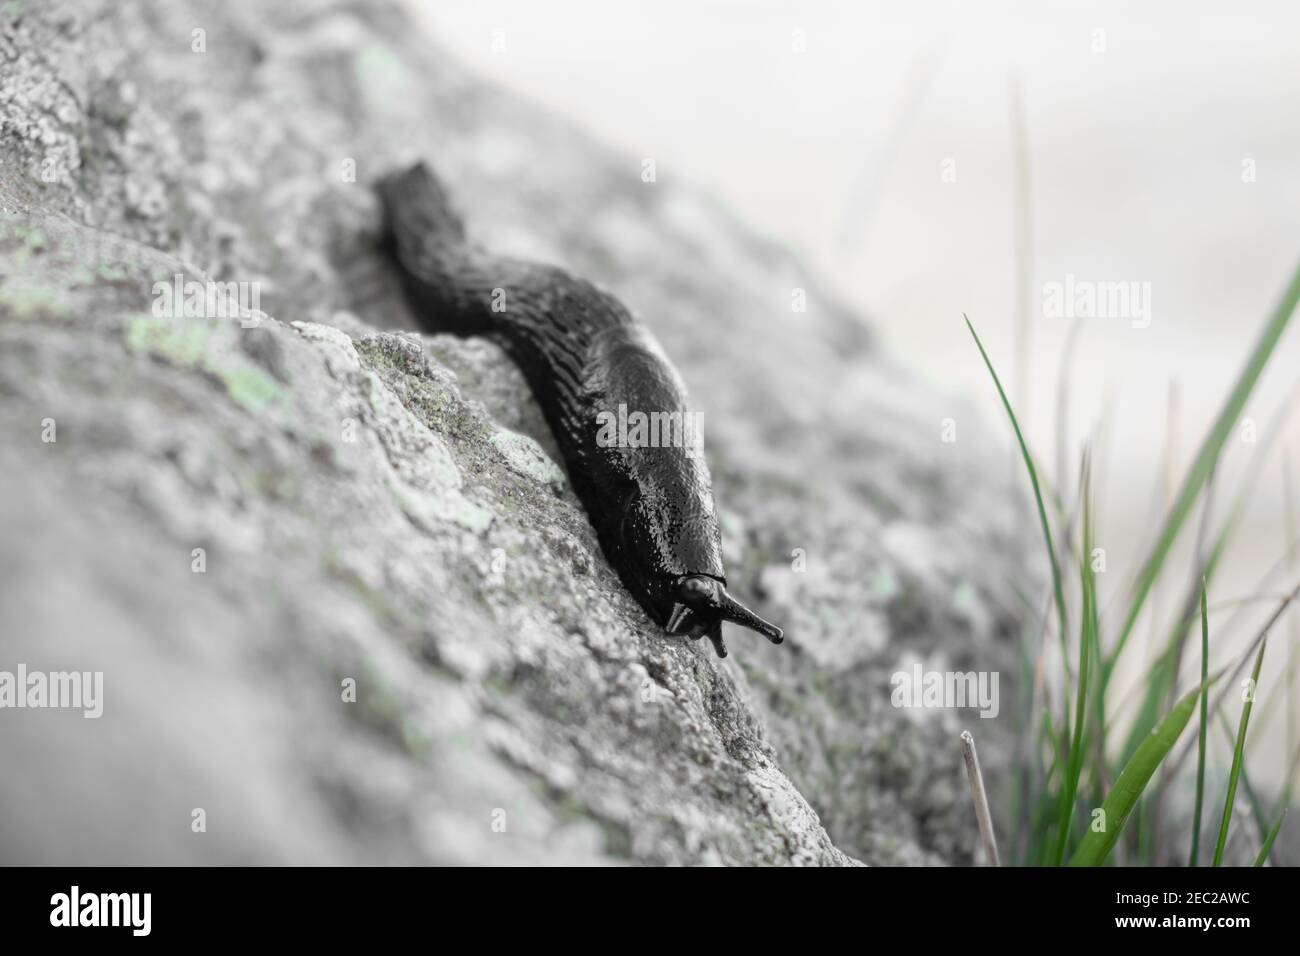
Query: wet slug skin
pixel 614 402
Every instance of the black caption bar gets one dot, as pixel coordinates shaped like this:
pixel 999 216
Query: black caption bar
pixel 333 905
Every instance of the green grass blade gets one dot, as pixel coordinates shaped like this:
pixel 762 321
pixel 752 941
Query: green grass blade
pixel 1097 735
pixel 1267 848
pixel 1057 590
pixel 1087 639
pixel 1206 458
pixel 1293 629
pixel 1200 744
pixel 1045 851
pixel 1124 795
pixel 1237 755
pixel 1256 805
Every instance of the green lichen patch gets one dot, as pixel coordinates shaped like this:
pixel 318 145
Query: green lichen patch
pixel 180 343
pixel 525 456
pixel 249 386
pixel 26 298
pixel 428 396
pixel 383 78
pixel 471 516
pixel 199 344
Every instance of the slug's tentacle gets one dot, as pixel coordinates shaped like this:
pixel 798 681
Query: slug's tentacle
pixel 715 635
pixel 587 362
pixel 702 604
pixel 737 613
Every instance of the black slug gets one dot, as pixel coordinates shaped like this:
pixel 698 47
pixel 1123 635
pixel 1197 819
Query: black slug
pixel 589 364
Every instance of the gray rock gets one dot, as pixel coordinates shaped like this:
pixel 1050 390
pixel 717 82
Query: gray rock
pixel 380 507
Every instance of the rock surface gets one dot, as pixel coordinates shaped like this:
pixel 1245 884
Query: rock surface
pixel 370 506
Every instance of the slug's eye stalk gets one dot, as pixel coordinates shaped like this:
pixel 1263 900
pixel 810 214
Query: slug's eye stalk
pixel 737 613
pixel 703 604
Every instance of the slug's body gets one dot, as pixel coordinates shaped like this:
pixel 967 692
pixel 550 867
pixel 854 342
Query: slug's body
pixel 583 355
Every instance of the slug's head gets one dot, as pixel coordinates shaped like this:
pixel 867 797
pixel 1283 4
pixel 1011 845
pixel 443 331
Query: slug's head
pixel 701 605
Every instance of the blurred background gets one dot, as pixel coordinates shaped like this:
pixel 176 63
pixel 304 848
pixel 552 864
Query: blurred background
pixel 930 159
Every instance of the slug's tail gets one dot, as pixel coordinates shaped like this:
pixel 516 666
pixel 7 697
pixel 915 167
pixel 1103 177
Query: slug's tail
pixel 426 239
pixel 416 207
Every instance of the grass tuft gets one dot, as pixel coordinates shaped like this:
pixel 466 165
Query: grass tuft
pixel 1063 767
